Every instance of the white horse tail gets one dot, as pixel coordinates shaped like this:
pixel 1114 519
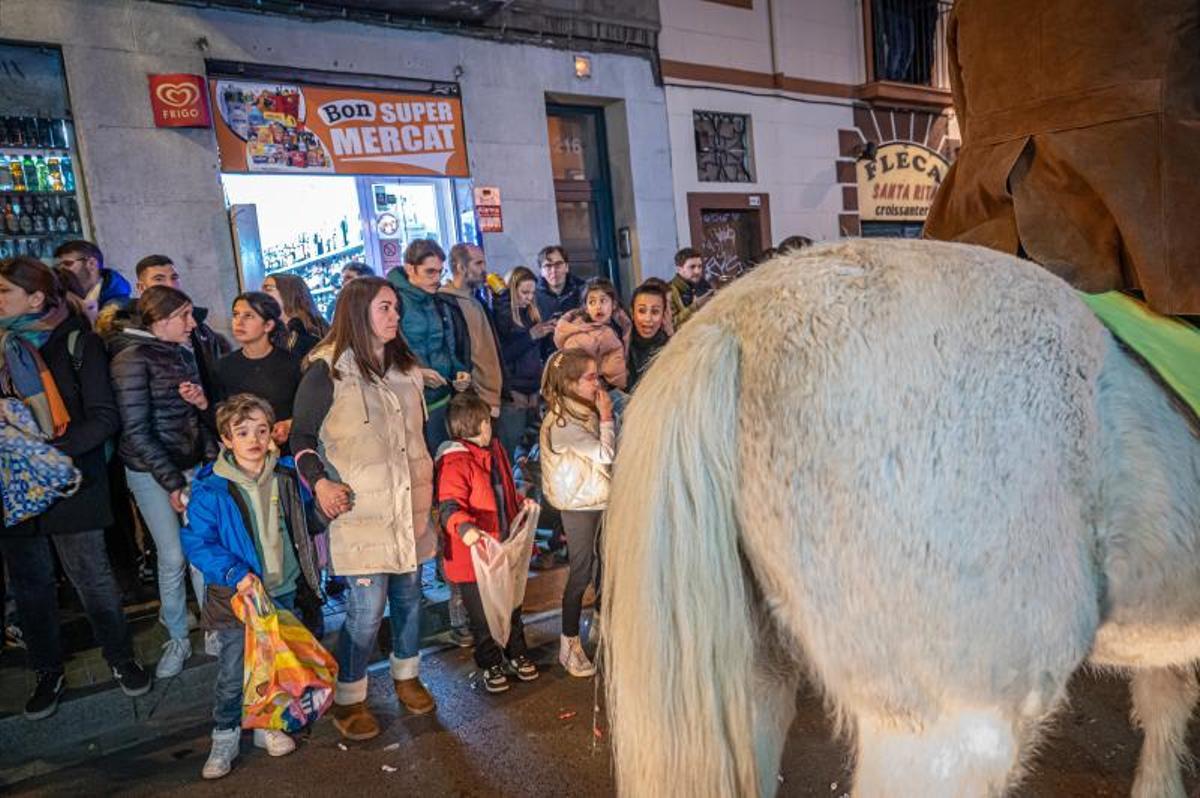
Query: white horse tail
pixel 678 633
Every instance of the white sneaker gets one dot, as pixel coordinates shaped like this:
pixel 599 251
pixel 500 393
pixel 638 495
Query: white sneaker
pixel 225 744
pixel 212 643
pixel 175 653
pixel 570 654
pixel 276 742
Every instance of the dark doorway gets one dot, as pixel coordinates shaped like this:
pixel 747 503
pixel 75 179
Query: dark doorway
pixel 730 230
pixel 583 189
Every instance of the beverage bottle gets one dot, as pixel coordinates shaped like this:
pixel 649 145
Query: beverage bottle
pixel 11 226
pixel 60 215
pixel 6 181
pixel 73 221
pixel 14 134
pixel 29 131
pixel 18 174
pixel 39 216
pixel 24 220
pixel 42 125
pixel 54 168
pixel 58 137
pixel 30 170
pixel 43 173
pixel 68 173
pixel 4 139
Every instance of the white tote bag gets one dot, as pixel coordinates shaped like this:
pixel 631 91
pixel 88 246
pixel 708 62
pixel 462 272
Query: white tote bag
pixel 501 570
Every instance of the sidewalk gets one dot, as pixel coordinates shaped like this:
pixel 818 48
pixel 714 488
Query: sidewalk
pixel 96 719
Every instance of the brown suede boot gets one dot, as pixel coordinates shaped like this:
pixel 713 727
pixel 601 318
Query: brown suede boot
pixel 355 721
pixel 414 696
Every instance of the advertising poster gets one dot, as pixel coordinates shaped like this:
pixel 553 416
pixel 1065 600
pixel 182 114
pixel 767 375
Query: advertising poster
pixel 296 128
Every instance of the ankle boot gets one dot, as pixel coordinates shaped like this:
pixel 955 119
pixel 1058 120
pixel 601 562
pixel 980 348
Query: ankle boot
pixel 355 721
pixel 414 696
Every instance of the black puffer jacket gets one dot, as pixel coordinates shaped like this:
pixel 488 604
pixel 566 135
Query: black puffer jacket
pixel 160 432
pixel 88 396
pixel 522 355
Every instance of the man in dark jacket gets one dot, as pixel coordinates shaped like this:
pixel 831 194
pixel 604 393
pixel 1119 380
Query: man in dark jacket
pixel 557 291
pixel 208 345
pixel 78 364
pixel 101 286
pixel 435 329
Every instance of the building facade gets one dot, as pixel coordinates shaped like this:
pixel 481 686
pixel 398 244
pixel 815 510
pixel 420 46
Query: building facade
pixel 552 117
pixel 820 118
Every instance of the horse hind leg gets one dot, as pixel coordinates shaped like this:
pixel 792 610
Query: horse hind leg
pixel 966 754
pixel 1163 700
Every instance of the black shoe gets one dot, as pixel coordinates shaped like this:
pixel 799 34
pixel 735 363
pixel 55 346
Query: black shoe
pixel 462 637
pixel 523 668
pixel 43 701
pixel 133 678
pixel 494 679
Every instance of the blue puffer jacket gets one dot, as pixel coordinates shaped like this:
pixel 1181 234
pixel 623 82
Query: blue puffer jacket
pixel 217 538
pixel 434 333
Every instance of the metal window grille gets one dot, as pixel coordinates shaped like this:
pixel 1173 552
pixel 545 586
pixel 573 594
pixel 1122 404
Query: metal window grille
pixel 723 151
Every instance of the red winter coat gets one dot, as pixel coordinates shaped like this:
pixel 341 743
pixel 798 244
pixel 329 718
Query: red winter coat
pixel 465 496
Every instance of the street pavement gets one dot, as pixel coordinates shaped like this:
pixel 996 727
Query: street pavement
pixel 538 740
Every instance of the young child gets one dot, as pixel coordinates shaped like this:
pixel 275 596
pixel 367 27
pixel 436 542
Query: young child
pixel 651 328
pixel 689 290
pixel 248 521
pixel 578 441
pixel 592 329
pixel 477 496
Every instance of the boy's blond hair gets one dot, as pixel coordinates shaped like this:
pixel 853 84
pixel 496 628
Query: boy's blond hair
pixel 238 408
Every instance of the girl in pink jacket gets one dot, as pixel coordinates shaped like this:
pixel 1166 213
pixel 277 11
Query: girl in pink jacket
pixel 591 328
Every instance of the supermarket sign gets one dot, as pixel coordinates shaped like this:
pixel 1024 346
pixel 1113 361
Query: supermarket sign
pixel 899 183
pixel 296 128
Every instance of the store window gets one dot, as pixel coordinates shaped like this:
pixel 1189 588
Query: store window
pixel 723 147
pixel 39 169
pixel 319 176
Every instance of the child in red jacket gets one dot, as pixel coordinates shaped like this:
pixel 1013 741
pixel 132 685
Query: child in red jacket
pixel 477 496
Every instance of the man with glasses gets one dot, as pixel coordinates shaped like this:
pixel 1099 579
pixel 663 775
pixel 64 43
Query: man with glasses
pixel 557 290
pixel 101 286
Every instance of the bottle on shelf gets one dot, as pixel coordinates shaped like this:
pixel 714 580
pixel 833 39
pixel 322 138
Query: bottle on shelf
pixel 17 171
pixel 39 216
pixel 60 215
pixel 29 131
pixel 42 126
pixel 12 132
pixel 54 171
pixel 43 173
pixel 74 224
pixel 30 170
pixel 6 180
pixel 11 225
pixel 68 173
pixel 24 220
pixel 58 134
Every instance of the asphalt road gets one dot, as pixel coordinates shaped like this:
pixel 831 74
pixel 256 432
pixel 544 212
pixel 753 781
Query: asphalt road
pixel 538 740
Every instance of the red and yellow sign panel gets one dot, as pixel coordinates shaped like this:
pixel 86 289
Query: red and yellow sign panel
pixel 299 129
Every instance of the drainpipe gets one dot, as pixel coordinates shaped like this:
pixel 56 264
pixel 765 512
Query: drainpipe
pixel 776 73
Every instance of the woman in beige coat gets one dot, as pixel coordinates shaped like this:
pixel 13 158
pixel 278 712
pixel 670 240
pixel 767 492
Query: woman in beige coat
pixel 358 435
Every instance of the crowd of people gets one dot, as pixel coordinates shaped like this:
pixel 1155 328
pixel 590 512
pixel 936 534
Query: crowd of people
pixel 309 458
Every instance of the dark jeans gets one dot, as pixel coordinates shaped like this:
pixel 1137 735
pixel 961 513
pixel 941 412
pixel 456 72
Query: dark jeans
pixel 32 582
pixel 487 651
pixel 583 549
pixel 436 432
pixel 227 693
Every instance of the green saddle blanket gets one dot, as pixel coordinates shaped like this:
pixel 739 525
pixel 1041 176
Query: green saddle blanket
pixel 1169 346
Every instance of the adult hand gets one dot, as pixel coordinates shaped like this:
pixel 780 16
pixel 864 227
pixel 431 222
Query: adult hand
pixel 432 379
pixel 334 498
pixel 462 381
pixel 541 330
pixel 529 505
pixel 604 404
pixel 176 499
pixel 193 394
pixel 281 431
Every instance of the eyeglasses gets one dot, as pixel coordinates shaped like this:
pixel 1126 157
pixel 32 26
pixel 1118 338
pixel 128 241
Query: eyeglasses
pixel 554 264
pixel 66 262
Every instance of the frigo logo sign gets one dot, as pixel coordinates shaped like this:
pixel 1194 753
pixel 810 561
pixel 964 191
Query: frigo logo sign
pixel 178 101
pixel 899 184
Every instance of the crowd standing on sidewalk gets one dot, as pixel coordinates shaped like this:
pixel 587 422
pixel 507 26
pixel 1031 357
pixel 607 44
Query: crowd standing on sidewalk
pixel 318 457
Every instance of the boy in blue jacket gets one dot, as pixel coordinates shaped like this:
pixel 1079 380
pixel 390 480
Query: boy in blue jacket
pixel 249 520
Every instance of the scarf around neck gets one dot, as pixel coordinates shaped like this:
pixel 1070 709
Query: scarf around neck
pixel 23 372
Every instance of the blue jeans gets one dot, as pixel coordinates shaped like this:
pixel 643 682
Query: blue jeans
pixel 31 579
pixel 369 594
pixel 227 693
pixel 154 502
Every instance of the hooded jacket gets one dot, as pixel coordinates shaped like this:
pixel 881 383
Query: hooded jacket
pixel 114 289
pixel 470 481
pixel 160 432
pixel 600 340
pixel 487 376
pixel 369 434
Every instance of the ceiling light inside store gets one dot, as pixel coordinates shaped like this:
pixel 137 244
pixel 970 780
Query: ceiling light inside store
pixel 583 66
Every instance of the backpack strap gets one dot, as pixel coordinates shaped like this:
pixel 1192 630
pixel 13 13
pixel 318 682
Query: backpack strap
pixel 75 350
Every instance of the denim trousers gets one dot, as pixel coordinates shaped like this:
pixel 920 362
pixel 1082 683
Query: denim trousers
pixel 32 582
pixel 154 502
pixel 369 595
pixel 227 693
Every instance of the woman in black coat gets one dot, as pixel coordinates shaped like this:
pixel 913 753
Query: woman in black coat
pixel 520 329
pixel 35 315
pixel 165 435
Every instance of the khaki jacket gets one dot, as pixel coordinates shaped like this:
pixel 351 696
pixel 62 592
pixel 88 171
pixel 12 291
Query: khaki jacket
pixel 486 373
pixel 1080 124
pixel 373 438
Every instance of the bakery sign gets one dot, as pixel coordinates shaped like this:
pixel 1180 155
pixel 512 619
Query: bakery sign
pixel 899 183
pixel 303 129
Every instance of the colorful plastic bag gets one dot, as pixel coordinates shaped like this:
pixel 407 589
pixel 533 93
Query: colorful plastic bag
pixel 289 677
pixel 501 570
pixel 33 474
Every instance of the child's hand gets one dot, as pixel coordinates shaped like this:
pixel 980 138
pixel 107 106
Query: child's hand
pixel 604 405
pixel 281 431
pixel 246 583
